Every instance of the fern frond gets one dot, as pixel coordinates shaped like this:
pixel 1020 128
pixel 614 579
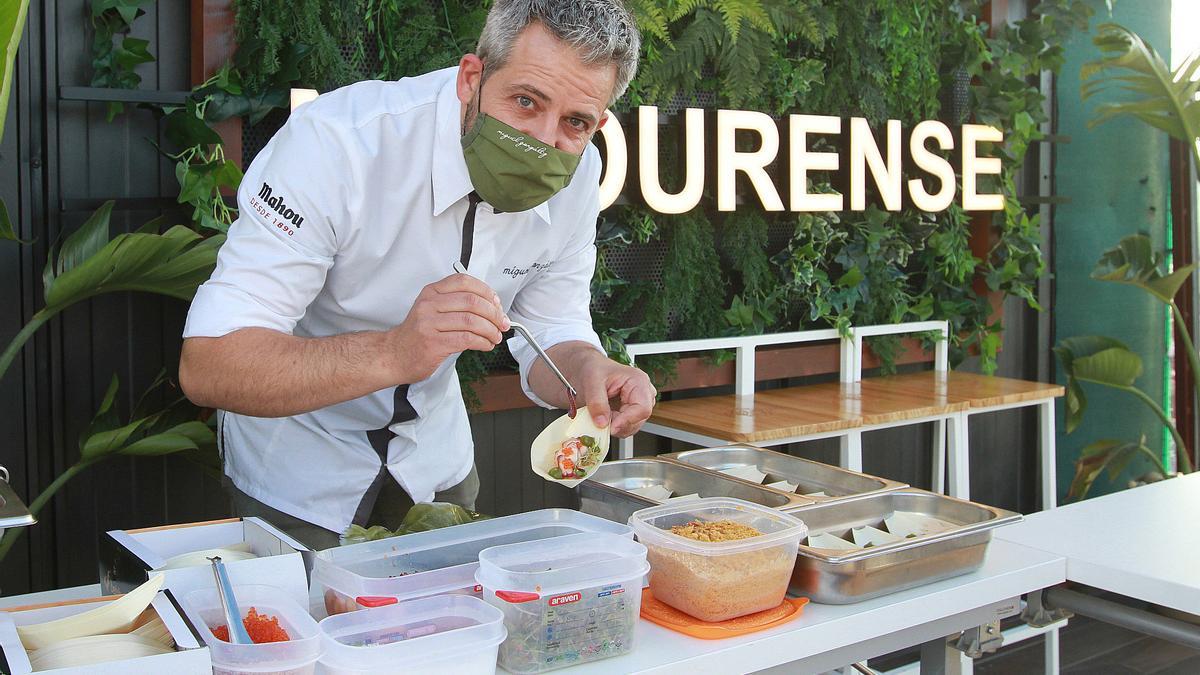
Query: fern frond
pixel 679 66
pixel 740 65
pixel 734 12
pixel 681 8
pixel 651 19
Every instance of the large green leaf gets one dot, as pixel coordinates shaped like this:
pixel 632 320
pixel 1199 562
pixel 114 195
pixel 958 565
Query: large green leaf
pixel 1153 94
pixel 12 23
pixel 159 432
pixel 105 417
pixel 1133 261
pixel 107 442
pixel 7 230
pixel 1115 456
pixel 1116 367
pixel 86 241
pixel 159 444
pixel 173 263
pixel 1097 359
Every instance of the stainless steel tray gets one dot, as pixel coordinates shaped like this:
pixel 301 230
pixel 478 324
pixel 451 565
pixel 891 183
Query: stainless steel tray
pixel 606 493
pixel 810 476
pixel 840 577
pixel 13 512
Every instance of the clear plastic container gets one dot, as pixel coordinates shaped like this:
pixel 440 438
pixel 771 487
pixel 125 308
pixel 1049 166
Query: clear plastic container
pixel 435 562
pixel 567 600
pixel 715 581
pixel 444 634
pixel 297 656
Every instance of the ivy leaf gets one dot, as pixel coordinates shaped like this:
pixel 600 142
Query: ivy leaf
pixel 852 278
pixel 184 129
pixel 227 174
pixel 195 184
pixel 133 52
pixel 128 10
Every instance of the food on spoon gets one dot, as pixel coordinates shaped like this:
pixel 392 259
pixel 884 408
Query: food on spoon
pixel 569 450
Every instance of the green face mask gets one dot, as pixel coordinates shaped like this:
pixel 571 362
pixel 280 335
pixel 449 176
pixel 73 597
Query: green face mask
pixel 511 170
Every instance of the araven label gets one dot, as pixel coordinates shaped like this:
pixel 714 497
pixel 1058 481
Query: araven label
pixel 564 599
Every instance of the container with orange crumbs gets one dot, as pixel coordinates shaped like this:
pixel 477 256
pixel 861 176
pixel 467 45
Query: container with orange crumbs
pixel 718 558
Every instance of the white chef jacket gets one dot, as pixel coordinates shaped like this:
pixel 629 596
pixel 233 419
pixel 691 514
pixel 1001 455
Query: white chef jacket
pixel 350 210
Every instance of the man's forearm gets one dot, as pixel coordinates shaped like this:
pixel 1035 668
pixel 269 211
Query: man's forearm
pixel 572 358
pixel 265 373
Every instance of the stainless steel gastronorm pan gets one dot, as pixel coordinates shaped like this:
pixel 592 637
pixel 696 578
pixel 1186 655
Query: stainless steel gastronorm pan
pixel 841 577
pixel 607 493
pixel 810 476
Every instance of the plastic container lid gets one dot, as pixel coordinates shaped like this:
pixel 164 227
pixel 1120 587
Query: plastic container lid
pixel 653 525
pixel 538 568
pixel 403 636
pixel 303 648
pixel 439 561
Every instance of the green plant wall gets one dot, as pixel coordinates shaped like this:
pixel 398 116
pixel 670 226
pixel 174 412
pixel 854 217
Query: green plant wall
pixel 1117 178
pixel 755 271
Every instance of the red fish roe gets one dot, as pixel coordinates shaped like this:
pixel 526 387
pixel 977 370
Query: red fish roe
pixel 262 629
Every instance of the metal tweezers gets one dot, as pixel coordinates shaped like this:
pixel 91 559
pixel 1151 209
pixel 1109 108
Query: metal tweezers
pixel 525 333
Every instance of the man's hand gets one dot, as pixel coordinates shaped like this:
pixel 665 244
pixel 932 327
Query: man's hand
pixel 449 316
pixel 598 380
pixel 602 379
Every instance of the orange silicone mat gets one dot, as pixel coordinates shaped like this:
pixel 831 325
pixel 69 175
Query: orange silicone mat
pixel 656 611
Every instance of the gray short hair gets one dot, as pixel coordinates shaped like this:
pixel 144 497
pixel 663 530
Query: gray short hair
pixel 601 31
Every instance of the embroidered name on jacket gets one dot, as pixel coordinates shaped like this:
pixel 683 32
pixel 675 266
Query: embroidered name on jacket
pixel 277 202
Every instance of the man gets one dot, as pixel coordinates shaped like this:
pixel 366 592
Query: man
pixel 330 327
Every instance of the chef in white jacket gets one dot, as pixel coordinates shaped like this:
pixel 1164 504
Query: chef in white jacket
pixel 328 332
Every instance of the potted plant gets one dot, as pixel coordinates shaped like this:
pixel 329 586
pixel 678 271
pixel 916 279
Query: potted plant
pixel 1167 101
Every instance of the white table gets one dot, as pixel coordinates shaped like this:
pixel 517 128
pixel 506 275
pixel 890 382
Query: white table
pixel 825 636
pixel 1141 543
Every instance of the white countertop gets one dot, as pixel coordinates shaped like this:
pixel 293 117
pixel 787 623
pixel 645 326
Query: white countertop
pixel 1008 571
pixel 1142 543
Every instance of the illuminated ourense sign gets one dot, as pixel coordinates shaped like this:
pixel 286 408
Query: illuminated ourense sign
pixel 708 146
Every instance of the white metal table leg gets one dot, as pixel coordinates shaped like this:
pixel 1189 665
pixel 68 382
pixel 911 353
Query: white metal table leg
pixel 960 456
pixel 1047 454
pixel 1051 647
pixel 625 448
pixel 850 450
pixel 939 457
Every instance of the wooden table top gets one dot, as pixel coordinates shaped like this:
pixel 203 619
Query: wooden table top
pixel 980 391
pixel 768 419
pixel 810 410
pixel 869 403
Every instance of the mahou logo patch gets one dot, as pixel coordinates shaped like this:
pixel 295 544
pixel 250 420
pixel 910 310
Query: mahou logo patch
pixel 277 202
